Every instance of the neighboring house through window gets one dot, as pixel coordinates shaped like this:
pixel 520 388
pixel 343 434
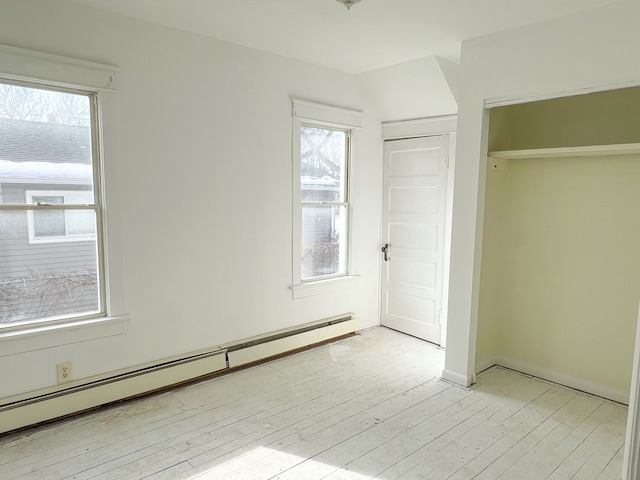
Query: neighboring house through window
pixel 60 225
pixel 323 151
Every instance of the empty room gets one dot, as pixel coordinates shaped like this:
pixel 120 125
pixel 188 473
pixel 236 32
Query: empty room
pixel 319 239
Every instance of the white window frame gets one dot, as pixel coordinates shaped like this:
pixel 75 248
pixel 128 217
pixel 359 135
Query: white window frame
pixel 95 206
pixel 322 116
pixel 34 239
pixel 37 69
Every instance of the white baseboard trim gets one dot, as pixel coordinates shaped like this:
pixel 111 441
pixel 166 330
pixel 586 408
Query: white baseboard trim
pixel 565 379
pixel 458 378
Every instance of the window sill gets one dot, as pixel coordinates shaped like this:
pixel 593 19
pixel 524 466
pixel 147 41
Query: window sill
pixel 322 287
pixel 36 337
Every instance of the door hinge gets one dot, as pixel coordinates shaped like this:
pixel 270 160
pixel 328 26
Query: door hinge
pixel 446 161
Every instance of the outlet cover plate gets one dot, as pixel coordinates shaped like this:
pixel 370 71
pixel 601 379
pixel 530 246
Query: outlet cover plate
pixel 65 373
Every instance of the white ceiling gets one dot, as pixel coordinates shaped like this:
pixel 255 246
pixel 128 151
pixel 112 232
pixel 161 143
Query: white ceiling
pixel 372 35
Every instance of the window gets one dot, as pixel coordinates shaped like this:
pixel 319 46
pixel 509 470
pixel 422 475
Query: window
pixel 324 199
pixel 50 208
pixel 323 150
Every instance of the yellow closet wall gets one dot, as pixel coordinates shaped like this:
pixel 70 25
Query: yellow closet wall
pixel 560 278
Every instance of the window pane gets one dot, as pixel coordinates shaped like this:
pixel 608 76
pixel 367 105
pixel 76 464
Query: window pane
pixel 322 164
pixel 44 280
pixel 78 198
pixel 81 222
pixel 323 241
pixel 45 140
pixel 49 223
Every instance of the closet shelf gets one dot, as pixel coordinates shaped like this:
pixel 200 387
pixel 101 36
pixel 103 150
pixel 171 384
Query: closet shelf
pixel 566 152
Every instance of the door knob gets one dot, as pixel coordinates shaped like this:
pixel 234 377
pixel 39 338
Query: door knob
pixel 385 250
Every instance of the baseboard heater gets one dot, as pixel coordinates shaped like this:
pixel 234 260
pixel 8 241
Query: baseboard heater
pixel 85 394
pixel 258 348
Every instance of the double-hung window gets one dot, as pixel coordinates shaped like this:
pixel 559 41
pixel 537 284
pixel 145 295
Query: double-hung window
pixel 324 201
pixel 50 205
pixel 323 151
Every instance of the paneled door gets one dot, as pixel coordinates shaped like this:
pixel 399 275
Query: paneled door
pixel 415 182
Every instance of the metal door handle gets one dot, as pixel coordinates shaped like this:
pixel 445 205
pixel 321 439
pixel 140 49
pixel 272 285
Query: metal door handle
pixel 385 250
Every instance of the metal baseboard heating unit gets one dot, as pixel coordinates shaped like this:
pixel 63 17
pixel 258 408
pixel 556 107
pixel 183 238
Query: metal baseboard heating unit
pixel 258 348
pixel 62 400
pixel 89 393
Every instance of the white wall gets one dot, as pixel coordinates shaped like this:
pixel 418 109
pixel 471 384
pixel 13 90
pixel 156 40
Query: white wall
pixel 198 183
pixel 590 50
pixel 421 88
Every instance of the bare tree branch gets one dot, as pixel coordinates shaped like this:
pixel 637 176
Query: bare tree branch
pixel 21 103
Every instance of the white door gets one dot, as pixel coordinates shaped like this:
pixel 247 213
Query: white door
pixel 415 182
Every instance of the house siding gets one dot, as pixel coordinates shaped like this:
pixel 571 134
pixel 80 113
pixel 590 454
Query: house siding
pixel 45 277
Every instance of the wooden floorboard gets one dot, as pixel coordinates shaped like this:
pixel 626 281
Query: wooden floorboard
pixel 368 407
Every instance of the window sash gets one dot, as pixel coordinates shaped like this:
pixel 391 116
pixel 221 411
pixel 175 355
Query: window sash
pixel 343 187
pixel 342 203
pixel 94 206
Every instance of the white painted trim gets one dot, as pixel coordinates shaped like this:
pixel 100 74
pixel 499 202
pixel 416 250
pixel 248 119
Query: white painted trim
pixel 632 442
pixel 419 128
pixel 27 65
pixel 462 380
pixel 568 152
pixel 326 114
pixel 564 379
pixel 38 336
pixel 541 96
pixel 447 240
pixel 461 348
pixel 323 116
pixel 293 342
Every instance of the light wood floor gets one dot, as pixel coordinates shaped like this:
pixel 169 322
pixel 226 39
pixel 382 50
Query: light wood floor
pixel 366 407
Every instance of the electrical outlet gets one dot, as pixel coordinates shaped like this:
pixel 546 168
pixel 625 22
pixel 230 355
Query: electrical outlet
pixel 65 374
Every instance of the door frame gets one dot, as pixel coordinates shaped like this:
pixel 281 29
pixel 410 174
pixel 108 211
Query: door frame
pixel 428 127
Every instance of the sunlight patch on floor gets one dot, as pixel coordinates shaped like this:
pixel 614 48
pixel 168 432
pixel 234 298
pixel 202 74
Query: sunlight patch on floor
pixel 275 463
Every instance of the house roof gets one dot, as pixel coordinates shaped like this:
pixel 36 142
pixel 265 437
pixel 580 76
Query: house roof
pixel 27 141
pixel 45 172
